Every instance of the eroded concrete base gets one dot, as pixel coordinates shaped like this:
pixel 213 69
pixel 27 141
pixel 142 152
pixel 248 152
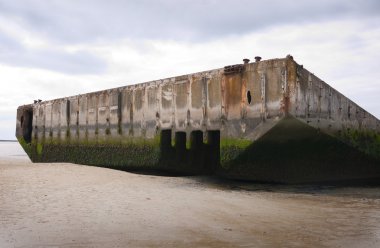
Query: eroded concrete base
pixel 293 152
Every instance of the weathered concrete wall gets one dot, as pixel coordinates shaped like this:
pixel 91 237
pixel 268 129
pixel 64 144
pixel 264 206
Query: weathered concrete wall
pixel 320 106
pixel 204 123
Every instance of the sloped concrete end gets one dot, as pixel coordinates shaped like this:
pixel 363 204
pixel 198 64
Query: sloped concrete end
pixel 294 152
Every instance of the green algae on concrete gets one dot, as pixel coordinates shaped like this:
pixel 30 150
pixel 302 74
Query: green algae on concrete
pixel 135 153
pixel 230 149
pixel 125 154
pixel 25 145
pixel 367 141
pixel 39 149
pixel 294 152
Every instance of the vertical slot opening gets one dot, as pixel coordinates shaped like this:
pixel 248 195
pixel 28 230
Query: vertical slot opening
pixel 213 150
pixel 27 125
pixel 166 143
pixel 196 149
pixel 180 146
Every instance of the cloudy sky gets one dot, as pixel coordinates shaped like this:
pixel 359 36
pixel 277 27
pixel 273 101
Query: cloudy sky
pixel 52 48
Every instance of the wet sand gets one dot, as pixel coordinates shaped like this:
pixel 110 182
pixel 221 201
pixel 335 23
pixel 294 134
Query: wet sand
pixel 68 205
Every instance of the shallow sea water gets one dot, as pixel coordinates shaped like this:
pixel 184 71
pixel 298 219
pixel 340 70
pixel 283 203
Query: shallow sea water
pixel 11 150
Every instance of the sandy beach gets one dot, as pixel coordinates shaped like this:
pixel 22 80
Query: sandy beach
pixel 68 205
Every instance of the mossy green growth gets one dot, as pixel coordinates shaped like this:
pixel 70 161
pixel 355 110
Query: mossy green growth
pixel 134 153
pixel 26 146
pixel 127 153
pixel 230 149
pixel 367 141
pixel 294 152
pixel 39 149
pixel 108 156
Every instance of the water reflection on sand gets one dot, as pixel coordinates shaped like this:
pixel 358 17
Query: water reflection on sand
pixel 12 150
pixel 66 205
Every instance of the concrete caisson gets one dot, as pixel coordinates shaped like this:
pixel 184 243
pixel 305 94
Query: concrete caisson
pixel 270 121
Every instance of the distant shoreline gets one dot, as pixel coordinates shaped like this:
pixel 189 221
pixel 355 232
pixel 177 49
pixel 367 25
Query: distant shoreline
pixel 8 140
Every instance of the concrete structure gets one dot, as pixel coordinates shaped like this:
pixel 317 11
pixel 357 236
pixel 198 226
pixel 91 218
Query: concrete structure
pixel 267 121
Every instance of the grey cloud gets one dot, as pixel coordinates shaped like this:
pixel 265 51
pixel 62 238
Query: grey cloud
pixel 70 63
pixel 7 43
pixel 14 53
pixel 196 20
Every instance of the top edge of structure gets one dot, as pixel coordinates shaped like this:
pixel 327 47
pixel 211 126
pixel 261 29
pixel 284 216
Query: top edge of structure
pixel 228 69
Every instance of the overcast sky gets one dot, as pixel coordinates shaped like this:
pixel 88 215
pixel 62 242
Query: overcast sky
pixel 51 48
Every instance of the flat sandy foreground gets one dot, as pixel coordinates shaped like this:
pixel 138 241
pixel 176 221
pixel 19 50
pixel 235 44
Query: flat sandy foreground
pixel 67 205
